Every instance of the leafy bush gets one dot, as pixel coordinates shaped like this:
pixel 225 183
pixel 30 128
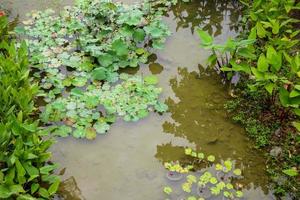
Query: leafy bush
pixel 265 63
pixel 24 169
pixel 269 55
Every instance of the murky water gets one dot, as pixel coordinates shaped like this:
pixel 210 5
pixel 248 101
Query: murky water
pixel 127 162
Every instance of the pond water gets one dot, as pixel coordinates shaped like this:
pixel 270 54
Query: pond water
pixel 127 162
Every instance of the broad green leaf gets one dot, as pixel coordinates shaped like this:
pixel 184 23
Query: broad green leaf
pixel 139 35
pixel 16 189
pixel 262 64
pixel 20 172
pixel 246 53
pixel 4 192
pixel 48 168
pixel 205 37
pixel 31 170
pixel 53 188
pixel 26 197
pixel 63 131
pixel 1 177
pixel 253 34
pixel 212 59
pixel 79 81
pixel 105 60
pixel 99 74
pixel 261 32
pixel 291 171
pixel 77 92
pixel 269 87
pixel 294 93
pixel 120 47
pixel 284 97
pixel 274 58
pixel 275 27
pixel 34 188
pixel 44 193
pixel 297 111
pixel 258 75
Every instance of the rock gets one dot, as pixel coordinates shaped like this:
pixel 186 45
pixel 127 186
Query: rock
pixel 276 151
pixel 278 132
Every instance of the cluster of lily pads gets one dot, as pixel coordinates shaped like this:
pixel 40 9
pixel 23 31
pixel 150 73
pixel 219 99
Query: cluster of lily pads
pixel 77 55
pixel 215 181
pixel 83 111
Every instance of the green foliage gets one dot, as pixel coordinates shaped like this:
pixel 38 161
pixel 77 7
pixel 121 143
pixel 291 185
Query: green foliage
pixel 273 60
pixel 132 99
pixel 77 56
pixel 168 190
pixel 290 172
pixel 268 63
pixel 24 169
pixel 215 178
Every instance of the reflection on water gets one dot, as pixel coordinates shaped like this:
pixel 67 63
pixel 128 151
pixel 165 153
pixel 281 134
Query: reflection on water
pixel 210 15
pixel 198 115
pixel 70 190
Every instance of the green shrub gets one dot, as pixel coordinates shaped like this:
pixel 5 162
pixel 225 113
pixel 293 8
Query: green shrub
pixel 25 172
pixel 264 63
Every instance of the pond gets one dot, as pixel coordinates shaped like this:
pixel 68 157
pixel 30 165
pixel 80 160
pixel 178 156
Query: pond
pixel 127 162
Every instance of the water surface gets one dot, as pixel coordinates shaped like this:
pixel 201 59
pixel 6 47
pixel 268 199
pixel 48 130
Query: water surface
pixel 127 162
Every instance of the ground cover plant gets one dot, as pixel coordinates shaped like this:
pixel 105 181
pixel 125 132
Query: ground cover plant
pixel 264 63
pixel 77 56
pixel 25 170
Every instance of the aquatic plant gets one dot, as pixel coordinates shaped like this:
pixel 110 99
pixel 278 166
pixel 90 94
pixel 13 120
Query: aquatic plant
pixel 206 182
pixel 176 167
pixel 25 170
pixel 132 100
pixel 77 56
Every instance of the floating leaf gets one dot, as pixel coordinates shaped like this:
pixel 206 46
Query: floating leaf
pixel 201 155
pixel 120 47
pixel 101 127
pixel 188 151
pixel 151 80
pixel 168 190
pixel 99 74
pixel 237 172
pixel 90 133
pixel 239 194
pixel 211 158
pixel 63 131
pixel 213 180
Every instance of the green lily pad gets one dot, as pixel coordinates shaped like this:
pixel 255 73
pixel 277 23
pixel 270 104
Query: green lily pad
pixel 99 74
pixel 120 47
pixel 101 127
pixel 63 131
pixel 151 79
pixel 211 158
pixel 90 133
